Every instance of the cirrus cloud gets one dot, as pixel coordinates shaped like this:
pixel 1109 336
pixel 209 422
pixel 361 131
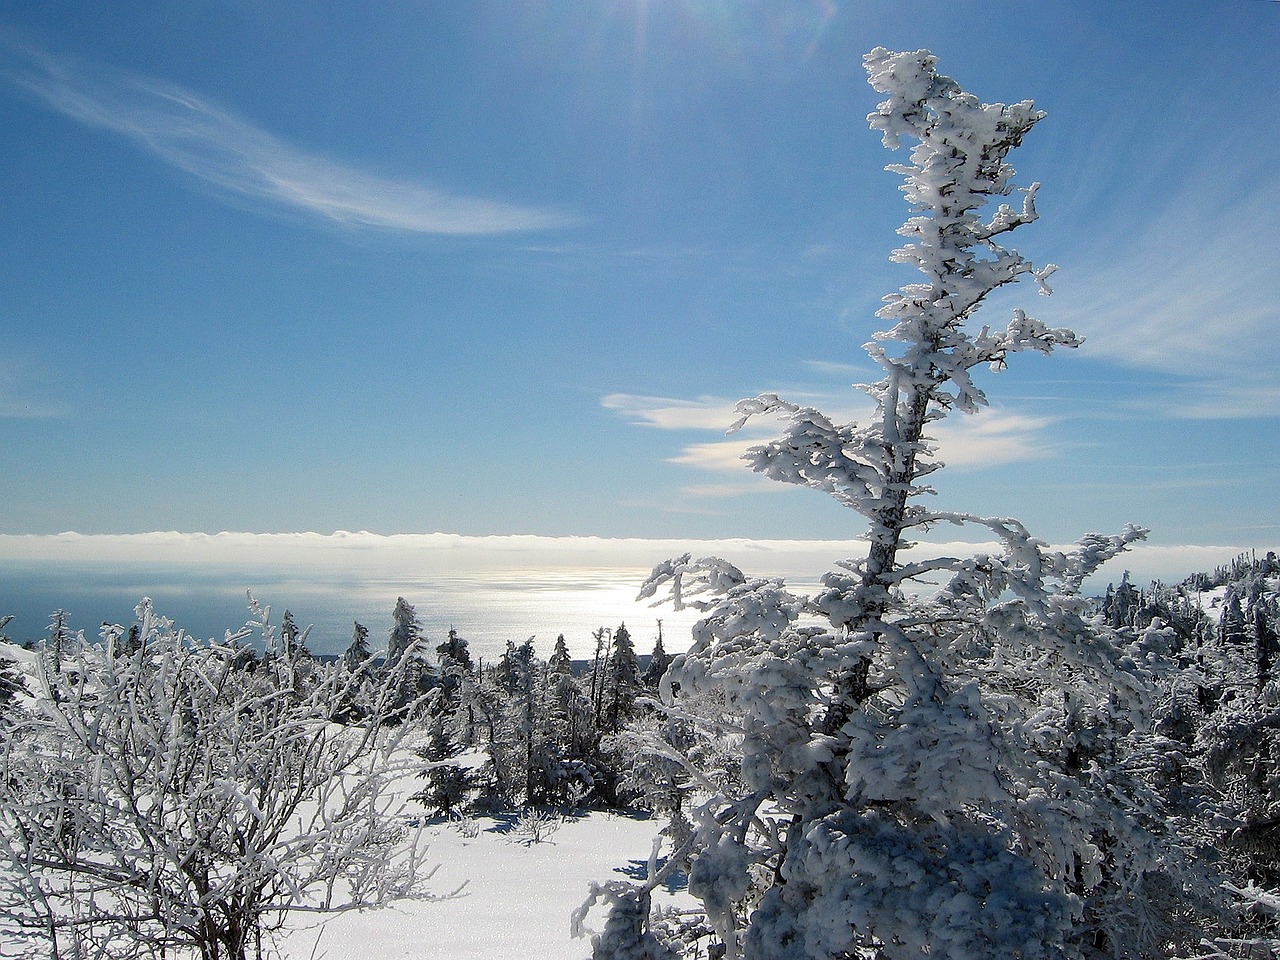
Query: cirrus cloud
pixel 234 156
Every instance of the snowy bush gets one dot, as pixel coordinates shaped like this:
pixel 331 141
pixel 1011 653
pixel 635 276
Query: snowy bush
pixel 534 826
pixel 161 797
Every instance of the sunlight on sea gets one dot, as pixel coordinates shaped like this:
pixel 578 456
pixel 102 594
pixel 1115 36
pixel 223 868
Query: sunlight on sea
pixel 492 589
pixel 487 610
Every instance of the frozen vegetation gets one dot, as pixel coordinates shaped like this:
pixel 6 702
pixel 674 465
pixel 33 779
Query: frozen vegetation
pixel 997 768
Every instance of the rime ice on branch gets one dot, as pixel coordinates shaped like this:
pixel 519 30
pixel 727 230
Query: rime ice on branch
pixel 957 167
pixel 937 776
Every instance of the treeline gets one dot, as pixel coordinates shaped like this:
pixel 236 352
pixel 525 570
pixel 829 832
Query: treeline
pixel 1217 637
pixel 521 730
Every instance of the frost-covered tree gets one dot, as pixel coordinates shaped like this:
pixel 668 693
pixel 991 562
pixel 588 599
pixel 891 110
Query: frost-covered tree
pixel 356 667
pixel 622 682
pixel 357 652
pixel 405 631
pixel 407 661
pixel 12 682
pixel 599 664
pixel 455 663
pixel 569 714
pixel 164 800
pixel 560 663
pixel 659 660
pixel 950 777
pixel 60 639
pixel 294 652
pixel 1240 738
pixel 520 673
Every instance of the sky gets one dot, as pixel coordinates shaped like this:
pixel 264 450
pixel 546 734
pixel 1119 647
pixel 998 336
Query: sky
pixel 503 268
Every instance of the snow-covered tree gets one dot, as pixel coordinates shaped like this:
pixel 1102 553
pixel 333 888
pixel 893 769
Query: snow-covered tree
pixel 455 663
pixel 357 652
pixel 165 800
pixel 622 682
pixel 356 667
pixel 569 715
pixel 405 631
pixel 60 639
pixel 659 660
pixel 11 677
pixel 416 675
pixel 950 777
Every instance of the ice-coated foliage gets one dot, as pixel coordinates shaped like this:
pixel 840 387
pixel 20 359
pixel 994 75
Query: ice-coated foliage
pixel 166 795
pixel 949 776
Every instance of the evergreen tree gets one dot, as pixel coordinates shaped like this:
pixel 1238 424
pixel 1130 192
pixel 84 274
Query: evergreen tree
pixel 12 682
pixel 59 639
pixel 357 653
pixel 623 682
pixel 923 776
pixel 454 662
pixel 356 695
pixel 290 636
pixel 569 714
pixel 132 639
pixel 599 664
pixel 560 663
pixel 297 659
pixel 1231 623
pixel 448 783
pixel 405 631
pixel 1237 744
pixel 659 660
pixel 405 644
pixel 1122 603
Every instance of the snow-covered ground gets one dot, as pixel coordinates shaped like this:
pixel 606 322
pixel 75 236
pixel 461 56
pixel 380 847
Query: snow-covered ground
pixel 516 904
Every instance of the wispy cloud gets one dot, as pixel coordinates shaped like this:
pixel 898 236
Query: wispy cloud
pixel 665 413
pixel 233 155
pixel 724 456
pixel 1194 295
pixel 717 490
pixel 828 368
pixel 991 438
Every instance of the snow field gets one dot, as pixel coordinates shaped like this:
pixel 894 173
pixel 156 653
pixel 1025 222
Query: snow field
pixel 516 902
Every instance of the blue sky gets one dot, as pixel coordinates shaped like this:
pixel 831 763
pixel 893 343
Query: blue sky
pixel 503 267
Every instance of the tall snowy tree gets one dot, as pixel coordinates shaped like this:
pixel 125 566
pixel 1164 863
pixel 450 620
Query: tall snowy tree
pixel 357 653
pixel 406 644
pixel 355 665
pixel 405 631
pixel 11 676
pixel 569 712
pixel 60 639
pixel 455 663
pixel 915 774
pixel 622 684
pixel 659 660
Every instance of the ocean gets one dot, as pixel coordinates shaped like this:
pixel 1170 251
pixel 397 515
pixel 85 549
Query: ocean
pixel 490 588
pixel 486 610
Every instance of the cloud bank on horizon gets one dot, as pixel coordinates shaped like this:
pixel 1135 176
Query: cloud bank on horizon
pixel 445 554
